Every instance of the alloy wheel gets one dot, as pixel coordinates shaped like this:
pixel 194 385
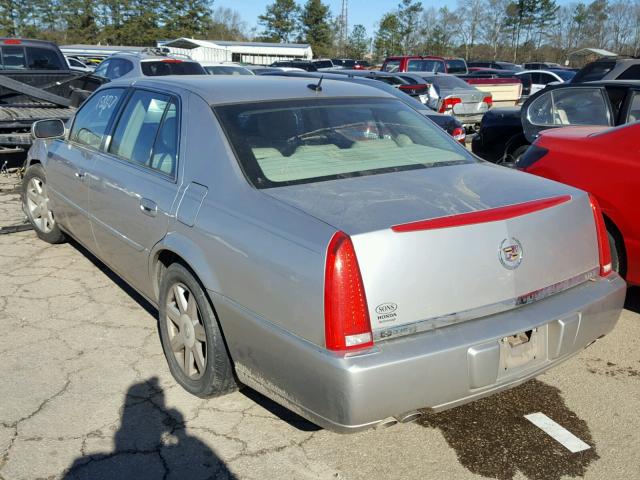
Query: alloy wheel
pixel 38 205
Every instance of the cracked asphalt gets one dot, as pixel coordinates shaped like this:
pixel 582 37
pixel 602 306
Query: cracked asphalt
pixel 85 393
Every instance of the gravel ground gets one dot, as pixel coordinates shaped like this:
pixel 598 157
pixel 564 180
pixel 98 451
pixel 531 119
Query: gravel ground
pixel 86 393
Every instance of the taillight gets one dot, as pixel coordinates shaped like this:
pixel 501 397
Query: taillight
pixel 488 100
pixel 530 156
pixel 603 238
pixel 171 60
pixel 449 103
pixel 346 315
pixel 12 41
pixel 459 134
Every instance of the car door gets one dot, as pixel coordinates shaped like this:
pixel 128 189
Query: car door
pixel 70 160
pixel 134 184
pixel 558 106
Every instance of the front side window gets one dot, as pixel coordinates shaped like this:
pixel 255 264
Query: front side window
pixel 391 66
pixel 13 58
pixel 307 141
pixel 570 106
pixel 93 118
pixel 634 109
pixel 135 138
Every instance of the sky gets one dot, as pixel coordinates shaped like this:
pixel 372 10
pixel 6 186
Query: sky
pixel 365 12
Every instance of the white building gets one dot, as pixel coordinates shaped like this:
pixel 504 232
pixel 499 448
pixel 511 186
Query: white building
pixel 257 53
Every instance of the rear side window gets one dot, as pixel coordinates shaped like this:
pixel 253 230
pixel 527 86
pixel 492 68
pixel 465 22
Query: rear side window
pixel 631 73
pixel 456 66
pixel 570 106
pixel 634 109
pixel 594 71
pixel 308 141
pixel 171 67
pixel 118 67
pixel 146 132
pixel 43 59
pixel 93 118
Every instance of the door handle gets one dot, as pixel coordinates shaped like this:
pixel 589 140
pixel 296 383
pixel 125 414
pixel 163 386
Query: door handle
pixel 148 207
pixel 79 175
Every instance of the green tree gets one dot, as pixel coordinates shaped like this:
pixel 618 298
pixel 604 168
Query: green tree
pixel 186 18
pixel 280 20
pixel 80 18
pixel 387 37
pixel 315 21
pixel 358 44
pixel 408 24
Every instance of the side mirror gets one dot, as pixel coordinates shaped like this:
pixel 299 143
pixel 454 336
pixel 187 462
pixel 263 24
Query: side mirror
pixel 53 128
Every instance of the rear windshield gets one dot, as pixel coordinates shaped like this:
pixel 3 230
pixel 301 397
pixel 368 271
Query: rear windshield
pixel 323 64
pixel 565 75
pixel 425 66
pixel 448 82
pixel 227 70
pixel 594 71
pixel 171 67
pixel 456 66
pixel 17 57
pixel 308 141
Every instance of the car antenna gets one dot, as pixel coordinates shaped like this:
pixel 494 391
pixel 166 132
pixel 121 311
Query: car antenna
pixel 318 87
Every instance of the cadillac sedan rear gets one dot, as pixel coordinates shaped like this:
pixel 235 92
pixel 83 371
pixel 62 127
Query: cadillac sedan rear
pixel 399 273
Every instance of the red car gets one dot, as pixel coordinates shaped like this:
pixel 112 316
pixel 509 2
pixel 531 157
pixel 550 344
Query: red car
pixel 604 161
pixel 428 63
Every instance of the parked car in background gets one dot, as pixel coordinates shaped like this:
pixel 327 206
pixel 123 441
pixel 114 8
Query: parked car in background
pixel 606 163
pixel 539 79
pixel 505 88
pixel 456 66
pixel 456 97
pixel 609 69
pixel 225 69
pixel 306 65
pixel 323 64
pixel 505 134
pixel 448 123
pixel 252 211
pixel 148 63
pixel 351 64
pixel 262 70
pixel 420 91
pixel 75 64
pixel 495 65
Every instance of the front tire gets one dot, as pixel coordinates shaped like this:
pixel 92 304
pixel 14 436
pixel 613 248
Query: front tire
pixel 35 203
pixel 191 337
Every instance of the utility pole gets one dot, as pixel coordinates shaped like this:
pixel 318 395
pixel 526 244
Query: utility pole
pixel 344 27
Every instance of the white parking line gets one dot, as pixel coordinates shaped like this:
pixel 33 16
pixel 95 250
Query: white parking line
pixel 557 432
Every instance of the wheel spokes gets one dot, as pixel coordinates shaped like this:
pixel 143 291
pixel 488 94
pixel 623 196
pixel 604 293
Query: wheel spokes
pixel 199 357
pixel 200 334
pixel 177 343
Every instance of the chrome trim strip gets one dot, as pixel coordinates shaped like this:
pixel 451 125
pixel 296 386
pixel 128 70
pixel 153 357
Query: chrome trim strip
pixel 484 311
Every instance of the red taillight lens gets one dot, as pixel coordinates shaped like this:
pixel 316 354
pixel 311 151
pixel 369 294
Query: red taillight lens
pixel 459 134
pixel 12 41
pixel 488 100
pixel 171 60
pixel 603 238
pixel 448 104
pixel 346 315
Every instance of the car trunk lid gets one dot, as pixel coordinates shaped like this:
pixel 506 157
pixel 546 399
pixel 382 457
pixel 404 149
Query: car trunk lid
pixel 444 245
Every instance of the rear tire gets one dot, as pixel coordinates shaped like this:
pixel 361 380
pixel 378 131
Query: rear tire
pixel 191 337
pixel 35 204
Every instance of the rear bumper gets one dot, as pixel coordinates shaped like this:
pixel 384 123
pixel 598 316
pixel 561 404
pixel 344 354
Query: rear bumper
pixel 438 369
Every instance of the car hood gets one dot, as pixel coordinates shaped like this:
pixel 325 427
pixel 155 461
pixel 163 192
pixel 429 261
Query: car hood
pixel 375 202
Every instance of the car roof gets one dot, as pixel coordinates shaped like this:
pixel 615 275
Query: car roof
pixel 240 89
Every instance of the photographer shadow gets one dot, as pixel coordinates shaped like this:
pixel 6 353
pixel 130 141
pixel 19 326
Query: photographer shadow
pixel 150 443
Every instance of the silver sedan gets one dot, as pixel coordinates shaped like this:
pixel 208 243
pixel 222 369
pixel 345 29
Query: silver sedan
pixel 324 244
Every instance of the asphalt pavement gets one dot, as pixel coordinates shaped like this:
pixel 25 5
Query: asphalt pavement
pixel 85 393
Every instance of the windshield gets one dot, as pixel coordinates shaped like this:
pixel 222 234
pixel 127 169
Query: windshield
pixel 425 66
pixel 323 64
pixel 158 68
pixel 227 70
pixel 307 141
